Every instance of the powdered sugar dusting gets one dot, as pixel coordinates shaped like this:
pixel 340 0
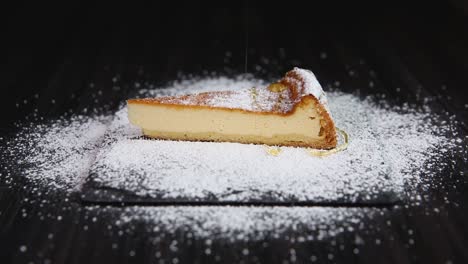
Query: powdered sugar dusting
pixel 241 172
pixel 255 99
pixel 249 223
pixel 57 154
pixel 391 148
pixel 386 145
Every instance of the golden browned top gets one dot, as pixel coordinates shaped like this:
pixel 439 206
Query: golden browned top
pixel 272 99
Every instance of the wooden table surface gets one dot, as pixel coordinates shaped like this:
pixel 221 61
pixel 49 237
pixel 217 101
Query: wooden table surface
pixel 57 51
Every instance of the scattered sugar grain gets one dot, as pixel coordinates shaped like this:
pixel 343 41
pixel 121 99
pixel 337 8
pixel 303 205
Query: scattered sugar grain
pixel 23 248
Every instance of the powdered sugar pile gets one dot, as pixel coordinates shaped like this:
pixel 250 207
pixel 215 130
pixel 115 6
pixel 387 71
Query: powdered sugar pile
pixel 241 172
pixel 391 149
pixel 56 154
pixel 386 147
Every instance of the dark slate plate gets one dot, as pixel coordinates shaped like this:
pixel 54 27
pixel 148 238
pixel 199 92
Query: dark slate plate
pixel 95 194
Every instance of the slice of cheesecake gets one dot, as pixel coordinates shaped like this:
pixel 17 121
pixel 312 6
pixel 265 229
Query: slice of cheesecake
pixel 290 112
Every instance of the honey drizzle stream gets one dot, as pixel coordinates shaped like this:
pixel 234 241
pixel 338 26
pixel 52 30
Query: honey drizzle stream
pixel 246 37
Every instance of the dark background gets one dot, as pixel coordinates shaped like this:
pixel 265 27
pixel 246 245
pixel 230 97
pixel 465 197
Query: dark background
pixel 56 57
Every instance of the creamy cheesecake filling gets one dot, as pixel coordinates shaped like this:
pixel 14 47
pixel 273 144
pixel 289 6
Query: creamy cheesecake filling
pixel 165 121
